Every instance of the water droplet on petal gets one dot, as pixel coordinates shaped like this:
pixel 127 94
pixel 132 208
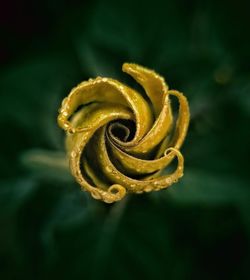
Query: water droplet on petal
pixel 108 169
pixel 73 154
pixel 148 189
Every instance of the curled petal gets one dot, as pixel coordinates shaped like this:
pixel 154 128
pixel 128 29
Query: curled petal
pixel 118 140
pixel 105 90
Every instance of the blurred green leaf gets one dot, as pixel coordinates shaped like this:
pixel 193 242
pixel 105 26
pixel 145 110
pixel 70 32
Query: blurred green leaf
pixel 32 92
pixel 208 188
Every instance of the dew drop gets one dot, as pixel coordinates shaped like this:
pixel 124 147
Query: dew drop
pixel 96 195
pixel 148 189
pixel 73 154
pixel 78 173
pixel 108 169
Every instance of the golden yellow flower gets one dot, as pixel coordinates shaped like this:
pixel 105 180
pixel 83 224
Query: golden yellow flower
pixel 119 140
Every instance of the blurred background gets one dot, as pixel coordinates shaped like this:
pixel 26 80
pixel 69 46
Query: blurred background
pixel 197 229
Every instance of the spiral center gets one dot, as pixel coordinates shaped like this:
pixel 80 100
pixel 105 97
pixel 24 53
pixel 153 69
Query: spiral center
pixel 123 130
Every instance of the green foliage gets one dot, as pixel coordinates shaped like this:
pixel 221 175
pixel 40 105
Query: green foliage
pixel 198 228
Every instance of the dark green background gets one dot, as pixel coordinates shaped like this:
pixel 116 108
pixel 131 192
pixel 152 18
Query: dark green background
pixel 197 229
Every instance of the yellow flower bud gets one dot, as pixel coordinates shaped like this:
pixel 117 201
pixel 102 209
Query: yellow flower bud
pixel 119 140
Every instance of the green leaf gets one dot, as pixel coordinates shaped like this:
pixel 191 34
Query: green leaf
pixel 207 188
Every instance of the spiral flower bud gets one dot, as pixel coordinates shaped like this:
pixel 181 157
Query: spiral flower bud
pixel 119 140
